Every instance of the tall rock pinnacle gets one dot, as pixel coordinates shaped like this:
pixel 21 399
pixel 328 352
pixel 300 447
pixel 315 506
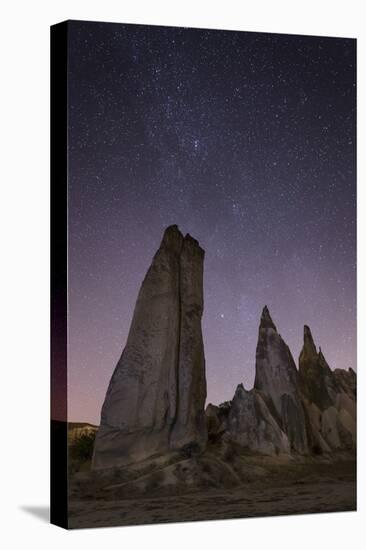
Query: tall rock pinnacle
pixel 266 320
pixel 276 377
pixel 275 369
pixel 309 349
pixel 329 399
pixel 316 380
pixel 155 399
pixel 190 422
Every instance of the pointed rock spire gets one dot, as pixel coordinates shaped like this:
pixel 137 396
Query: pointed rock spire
pixel 275 370
pixel 322 361
pixel 308 355
pixel 276 377
pixel 316 379
pixel 155 399
pixel 309 346
pixel 266 320
pixel 190 426
pixel 329 399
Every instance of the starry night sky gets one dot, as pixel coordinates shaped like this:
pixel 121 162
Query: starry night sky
pixel 247 142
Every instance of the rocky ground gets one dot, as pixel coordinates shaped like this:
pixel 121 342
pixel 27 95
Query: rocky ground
pixel 194 488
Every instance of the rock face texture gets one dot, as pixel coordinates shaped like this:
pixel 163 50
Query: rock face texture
pixel 307 411
pixel 316 378
pixel 346 380
pixel 155 399
pixel 329 398
pixel 217 419
pixel 276 377
pixel 190 424
pixel 251 424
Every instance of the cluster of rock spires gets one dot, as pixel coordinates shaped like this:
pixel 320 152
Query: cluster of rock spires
pixel 156 397
pixel 308 411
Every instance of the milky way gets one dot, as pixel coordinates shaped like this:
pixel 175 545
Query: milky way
pixel 247 142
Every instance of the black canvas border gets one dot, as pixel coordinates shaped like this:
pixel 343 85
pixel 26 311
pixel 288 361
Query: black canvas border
pixel 59 321
pixel 59 267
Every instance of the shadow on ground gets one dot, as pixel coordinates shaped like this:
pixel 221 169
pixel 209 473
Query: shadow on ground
pixel 40 512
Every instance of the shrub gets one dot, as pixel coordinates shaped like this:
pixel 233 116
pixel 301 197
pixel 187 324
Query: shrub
pixel 82 449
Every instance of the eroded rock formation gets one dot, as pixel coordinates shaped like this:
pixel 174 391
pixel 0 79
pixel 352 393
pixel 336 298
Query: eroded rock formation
pixel 276 376
pixel 307 411
pixel 251 424
pixel 329 398
pixel 155 399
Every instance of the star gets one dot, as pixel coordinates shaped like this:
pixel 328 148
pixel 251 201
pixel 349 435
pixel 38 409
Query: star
pixel 246 141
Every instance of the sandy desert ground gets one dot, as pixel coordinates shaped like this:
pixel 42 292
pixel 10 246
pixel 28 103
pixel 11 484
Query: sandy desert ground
pixel 298 489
